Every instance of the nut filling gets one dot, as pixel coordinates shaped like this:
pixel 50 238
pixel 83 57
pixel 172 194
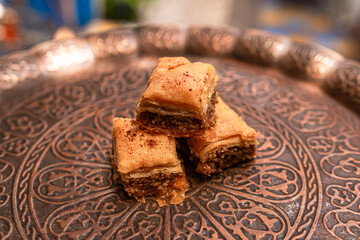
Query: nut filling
pixel 179 125
pixel 222 158
pixel 157 185
pixel 166 188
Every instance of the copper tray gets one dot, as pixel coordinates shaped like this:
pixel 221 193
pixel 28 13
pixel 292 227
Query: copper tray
pixel 55 126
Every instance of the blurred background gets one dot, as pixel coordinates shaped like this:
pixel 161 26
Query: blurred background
pixel 332 23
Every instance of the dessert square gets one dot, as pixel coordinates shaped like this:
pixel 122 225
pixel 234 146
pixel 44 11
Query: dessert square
pixel 179 98
pixel 230 141
pixel 147 163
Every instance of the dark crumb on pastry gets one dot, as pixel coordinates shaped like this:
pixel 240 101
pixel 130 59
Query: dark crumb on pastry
pixel 150 143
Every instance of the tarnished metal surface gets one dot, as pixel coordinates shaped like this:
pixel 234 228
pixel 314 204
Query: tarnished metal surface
pixel 55 173
pixel 261 47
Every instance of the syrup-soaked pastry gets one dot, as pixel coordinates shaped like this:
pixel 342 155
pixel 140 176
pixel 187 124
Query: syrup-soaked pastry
pixel 230 141
pixel 147 163
pixel 179 98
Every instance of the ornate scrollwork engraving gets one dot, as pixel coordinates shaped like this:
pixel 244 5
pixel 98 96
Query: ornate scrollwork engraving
pixel 55 171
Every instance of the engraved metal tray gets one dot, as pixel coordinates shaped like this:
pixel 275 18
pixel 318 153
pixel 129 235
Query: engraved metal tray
pixel 57 104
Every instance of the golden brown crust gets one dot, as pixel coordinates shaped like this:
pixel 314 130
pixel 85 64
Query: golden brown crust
pixel 147 164
pixel 180 86
pixel 136 149
pixel 231 140
pixel 179 125
pixel 229 126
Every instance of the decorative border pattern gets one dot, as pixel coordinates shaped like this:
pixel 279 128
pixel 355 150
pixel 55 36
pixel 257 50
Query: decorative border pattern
pixel 305 183
pixel 305 60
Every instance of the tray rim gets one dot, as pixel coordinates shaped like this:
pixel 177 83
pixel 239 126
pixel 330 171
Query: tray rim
pixel 226 54
pixel 336 75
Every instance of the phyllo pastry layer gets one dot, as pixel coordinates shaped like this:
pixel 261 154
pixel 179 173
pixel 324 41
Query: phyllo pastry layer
pixel 179 98
pixel 147 163
pixel 230 141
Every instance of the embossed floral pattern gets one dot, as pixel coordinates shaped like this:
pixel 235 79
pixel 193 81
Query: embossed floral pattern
pixel 125 79
pixel 339 140
pixel 246 218
pixel 259 88
pixel 24 123
pixel 55 171
pixel 88 219
pixel 6 227
pixel 84 145
pixel 61 182
pixel 346 79
pixel 311 119
pixel 309 60
pixel 212 40
pixel 269 142
pixel 12 145
pixel 261 47
pixel 118 42
pixel 154 39
pixel 273 180
pixel 6 170
pixel 342 166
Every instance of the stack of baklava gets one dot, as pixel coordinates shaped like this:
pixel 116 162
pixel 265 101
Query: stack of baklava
pixel 180 101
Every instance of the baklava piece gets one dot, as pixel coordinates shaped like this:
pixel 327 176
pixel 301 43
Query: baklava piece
pixel 230 141
pixel 179 98
pixel 147 164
